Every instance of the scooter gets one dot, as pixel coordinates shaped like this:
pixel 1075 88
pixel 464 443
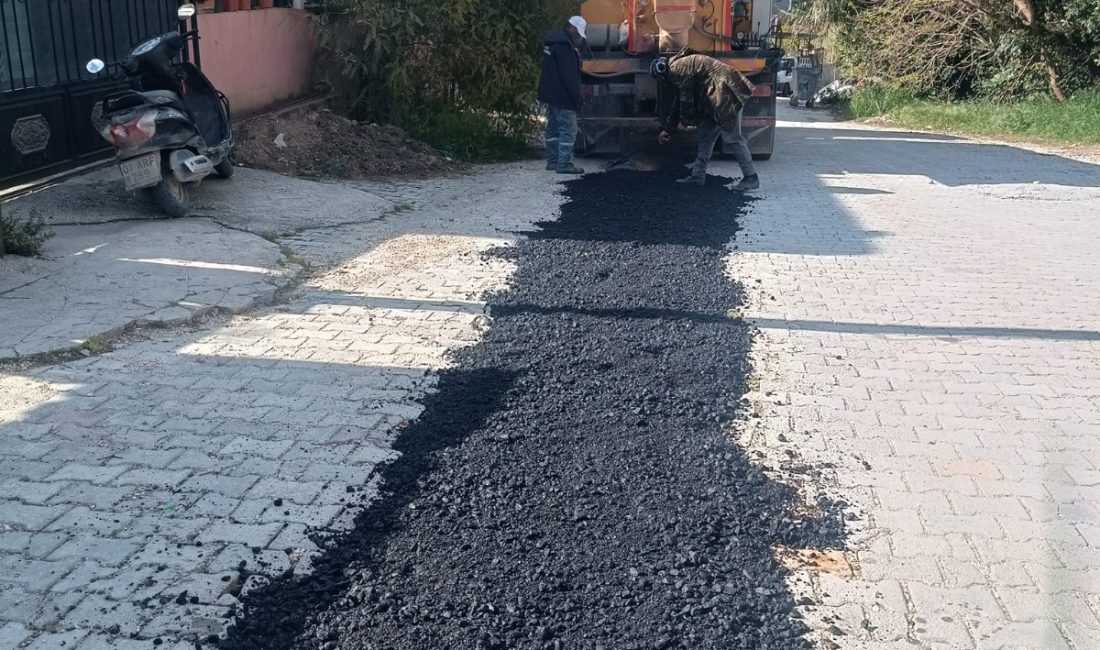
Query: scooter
pixel 172 130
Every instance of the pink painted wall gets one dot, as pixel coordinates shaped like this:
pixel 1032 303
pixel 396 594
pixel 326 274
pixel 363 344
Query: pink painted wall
pixel 258 58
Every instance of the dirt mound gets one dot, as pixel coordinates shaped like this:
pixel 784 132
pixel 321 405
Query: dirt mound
pixel 320 143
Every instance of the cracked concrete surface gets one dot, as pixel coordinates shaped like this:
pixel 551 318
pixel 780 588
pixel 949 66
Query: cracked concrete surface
pixel 113 264
pixel 254 201
pixel 97 280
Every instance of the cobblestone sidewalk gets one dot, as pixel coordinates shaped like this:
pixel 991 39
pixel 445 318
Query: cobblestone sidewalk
pixel 144 489
pixel 929 312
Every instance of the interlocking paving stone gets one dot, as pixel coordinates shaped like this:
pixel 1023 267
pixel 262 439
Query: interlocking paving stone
pixel 942 297
pixel 162 466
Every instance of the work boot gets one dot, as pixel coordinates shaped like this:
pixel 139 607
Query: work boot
pixel 551 165
pixel 692 180
pixel 747 183
pixel 569 169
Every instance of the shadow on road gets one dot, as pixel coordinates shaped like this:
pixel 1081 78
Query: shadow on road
pixel 929 330
pixel 938 157
pixel 821 169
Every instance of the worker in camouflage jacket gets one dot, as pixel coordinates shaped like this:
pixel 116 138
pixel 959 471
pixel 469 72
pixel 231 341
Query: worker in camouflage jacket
pixel 710 95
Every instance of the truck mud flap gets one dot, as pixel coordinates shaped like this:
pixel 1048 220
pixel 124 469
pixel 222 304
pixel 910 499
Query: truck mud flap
pixel 613 135
pixel 758 118
pixel 760 132
pixel 594 138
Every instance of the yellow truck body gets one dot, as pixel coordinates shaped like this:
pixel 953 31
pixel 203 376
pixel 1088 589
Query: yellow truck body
pixel 625 35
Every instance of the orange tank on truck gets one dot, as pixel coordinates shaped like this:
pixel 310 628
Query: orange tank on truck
pixel 622 101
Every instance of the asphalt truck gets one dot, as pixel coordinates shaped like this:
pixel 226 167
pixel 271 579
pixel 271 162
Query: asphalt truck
pixel 621 99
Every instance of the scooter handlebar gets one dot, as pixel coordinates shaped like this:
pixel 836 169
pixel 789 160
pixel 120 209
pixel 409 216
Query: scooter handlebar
pixel 114 72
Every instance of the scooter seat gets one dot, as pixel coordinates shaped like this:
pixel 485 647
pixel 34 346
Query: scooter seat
pixel 165 98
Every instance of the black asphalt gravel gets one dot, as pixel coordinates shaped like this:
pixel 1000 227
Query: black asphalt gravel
pixel 573 484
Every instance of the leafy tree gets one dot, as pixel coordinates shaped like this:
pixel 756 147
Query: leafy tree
pixel 413 62
pixel 960 48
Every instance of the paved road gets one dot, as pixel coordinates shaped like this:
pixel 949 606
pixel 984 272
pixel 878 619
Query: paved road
pixel 929 312
pixel 140 489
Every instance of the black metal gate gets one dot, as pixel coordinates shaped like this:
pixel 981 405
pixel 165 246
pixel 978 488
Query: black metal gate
pixel 47 99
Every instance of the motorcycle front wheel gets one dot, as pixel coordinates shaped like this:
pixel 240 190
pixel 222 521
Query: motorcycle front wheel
pixel 171 196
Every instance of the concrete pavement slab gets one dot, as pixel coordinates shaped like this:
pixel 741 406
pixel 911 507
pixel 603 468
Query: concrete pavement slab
pixel 114 264
pixel 97 280
pixel 253 200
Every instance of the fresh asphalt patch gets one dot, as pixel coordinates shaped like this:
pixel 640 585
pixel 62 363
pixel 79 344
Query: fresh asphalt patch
pixel 573 482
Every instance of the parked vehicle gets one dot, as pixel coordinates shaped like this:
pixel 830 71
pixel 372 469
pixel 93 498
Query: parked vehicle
pixel 172 129
pixel 624 37
pixel 784 77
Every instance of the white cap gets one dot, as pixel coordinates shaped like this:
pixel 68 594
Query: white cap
pixel 580 24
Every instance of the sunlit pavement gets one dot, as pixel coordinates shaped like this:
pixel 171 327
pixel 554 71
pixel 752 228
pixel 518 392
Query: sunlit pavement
pixel 929 314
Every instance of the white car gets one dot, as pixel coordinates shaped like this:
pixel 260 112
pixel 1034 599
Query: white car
pixel 784 77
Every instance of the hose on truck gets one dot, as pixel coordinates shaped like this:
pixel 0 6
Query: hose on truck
pixel 609 75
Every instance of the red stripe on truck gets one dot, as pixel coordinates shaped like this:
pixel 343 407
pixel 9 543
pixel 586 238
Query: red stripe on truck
pixel 763 90
pixel 757 121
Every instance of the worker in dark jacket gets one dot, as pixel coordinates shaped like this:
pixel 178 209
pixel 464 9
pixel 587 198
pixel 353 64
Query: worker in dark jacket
pixel 560 90
pixel 711 96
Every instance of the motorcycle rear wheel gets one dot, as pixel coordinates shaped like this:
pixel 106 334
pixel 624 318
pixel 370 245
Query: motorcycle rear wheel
pixel 224 169
pixel 171 196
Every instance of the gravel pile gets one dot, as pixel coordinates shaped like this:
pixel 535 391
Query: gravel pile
pixel 572 483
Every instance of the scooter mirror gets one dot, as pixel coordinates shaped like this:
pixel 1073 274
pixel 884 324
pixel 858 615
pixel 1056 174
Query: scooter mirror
pixel 95 66
pixel 186 11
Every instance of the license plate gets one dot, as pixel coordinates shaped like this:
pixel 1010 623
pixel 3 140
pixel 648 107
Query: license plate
pixel 143 171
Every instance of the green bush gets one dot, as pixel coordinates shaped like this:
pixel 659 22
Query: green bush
pixel 875 101
pixel 967 49
pixel 471 135
pixel 461 74
pixel 1070 122
pixel 23 236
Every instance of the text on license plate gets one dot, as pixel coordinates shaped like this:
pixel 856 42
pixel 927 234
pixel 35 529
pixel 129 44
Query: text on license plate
pixel 140 172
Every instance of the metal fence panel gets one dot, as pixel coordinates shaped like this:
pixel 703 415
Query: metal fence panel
pixel 44 43
pixel 46 96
